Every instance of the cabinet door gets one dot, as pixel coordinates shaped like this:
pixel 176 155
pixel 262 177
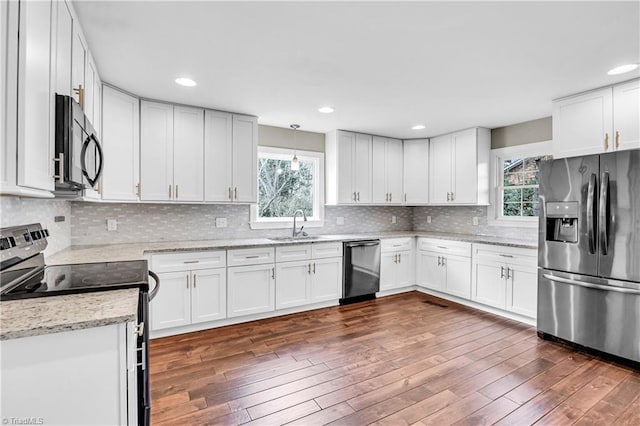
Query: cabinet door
pixel 489 285
pixel 209 295
pixel 250 290
pixel 464 187
pixel 626 115
pixel 430 272
pixel 64 39
pixel 326 279
pixel 89 80
pixel 379 188
pixel 416 171
pixel 388 270
pixel 405 269
pixel 188 153
pixel 393 170
pixel 78 63
pixel 582 123
pixel 245 159
pixel 218 154
pixel 35 97
pixel 362 168
pixel 346 149
pixel 121 145
pixel 156 151
pixel 172 306
pixel 457 279
pixel 522 290
pixel 293 284
pixel 439 169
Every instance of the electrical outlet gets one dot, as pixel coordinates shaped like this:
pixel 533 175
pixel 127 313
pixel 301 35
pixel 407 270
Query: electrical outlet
pixel 340 220
pixel 428 219
pixel 394 219
pixel 475 221
pixel 221 222
pixel 112 225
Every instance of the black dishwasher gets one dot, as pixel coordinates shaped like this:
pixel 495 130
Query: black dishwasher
pixel 361 274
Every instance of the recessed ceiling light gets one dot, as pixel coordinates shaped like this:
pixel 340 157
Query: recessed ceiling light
pixel 184 81
pixel 622 69
pixel 326 110
pixel 418 127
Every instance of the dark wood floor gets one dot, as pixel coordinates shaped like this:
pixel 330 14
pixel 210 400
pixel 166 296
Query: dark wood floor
pixel 405 359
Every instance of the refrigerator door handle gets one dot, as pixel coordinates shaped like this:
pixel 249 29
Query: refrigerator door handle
pixel 590 285
pixel 591 227
pixel 603 213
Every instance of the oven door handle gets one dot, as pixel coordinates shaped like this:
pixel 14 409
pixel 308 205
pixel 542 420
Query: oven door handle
pixel 156 288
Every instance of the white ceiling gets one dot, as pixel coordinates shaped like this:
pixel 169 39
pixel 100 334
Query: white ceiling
pixel 383 66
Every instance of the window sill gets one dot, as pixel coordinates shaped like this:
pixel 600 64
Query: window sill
pixel 514 223
pixel 286 224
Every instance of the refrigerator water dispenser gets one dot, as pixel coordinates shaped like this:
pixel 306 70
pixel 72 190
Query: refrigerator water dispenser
pixel 562 222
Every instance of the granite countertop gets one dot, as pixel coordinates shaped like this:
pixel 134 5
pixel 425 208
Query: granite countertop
pixel 54 314
pixel 137 251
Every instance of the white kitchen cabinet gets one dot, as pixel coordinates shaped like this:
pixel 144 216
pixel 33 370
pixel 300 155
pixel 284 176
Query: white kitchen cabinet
pixel 459 167
pixel 396 263
pixel 293 284
pixel 188 152
pixel 73 377
pixel 505 278
pixel 121 145
pixel 415 172
pixel 387 158
pixel 230 152
pixel 208 295
pixel 64 40
pixel 445 266
pixel 598 121
pixel 172 305
pixel 349 167
pixel 78 65
pixel 156 151
pixel 250 289
pixel 326 279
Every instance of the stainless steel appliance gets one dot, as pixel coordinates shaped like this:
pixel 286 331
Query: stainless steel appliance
pixel 589 252
pixel 23 274
pixel 361 264
pixel 79 157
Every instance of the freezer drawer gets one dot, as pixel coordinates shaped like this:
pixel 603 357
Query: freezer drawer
pixel 594 312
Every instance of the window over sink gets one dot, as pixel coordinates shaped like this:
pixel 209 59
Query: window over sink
pixel 282 191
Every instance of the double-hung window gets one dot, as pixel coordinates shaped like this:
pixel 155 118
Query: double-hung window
pixel 282 190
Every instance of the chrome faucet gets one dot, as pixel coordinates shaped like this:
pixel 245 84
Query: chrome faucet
pixel 295 215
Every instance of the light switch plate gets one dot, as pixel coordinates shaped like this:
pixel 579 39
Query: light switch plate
pixel 112 225
pixel 428 219
pixel 475 221
pixel 394 219
pixel 221 222
pixel 340 220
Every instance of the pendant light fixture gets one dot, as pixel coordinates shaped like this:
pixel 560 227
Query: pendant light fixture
pixel 295 164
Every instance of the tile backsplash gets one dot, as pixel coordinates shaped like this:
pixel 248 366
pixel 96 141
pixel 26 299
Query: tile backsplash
pixel 180 222
pixel 22 211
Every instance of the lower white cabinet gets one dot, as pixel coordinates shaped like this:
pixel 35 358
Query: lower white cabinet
pixel 326 281
pixel 396 263
pixel 506 278
pixel 250 289
pixel 444 266
pixel 189 297
pixel 85 377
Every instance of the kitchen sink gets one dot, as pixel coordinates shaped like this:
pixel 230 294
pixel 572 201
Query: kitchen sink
pixel 291 239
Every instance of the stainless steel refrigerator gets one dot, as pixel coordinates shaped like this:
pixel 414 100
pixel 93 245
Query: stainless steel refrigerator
pixel 589 252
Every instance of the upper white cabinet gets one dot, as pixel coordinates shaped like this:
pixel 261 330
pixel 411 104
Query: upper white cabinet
pixel 459 167
pixel 349 167
pixel 387 161
pixel 64 40
pixel 602 120
pixel 171 152
pixel 415 172
pixel 78 66
pixel 121 145
pixel 230 155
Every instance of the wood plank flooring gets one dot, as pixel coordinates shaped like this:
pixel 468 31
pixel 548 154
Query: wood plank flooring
pixel 404 359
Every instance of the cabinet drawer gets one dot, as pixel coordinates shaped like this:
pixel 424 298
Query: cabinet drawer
pixel 250 256
pixel 293 252
pixel 396 244
pixel 459 248
pixel 512 255
pixel 188 261
pixel 325 250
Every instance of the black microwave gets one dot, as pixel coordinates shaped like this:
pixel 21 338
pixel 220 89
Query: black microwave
pixel 79 159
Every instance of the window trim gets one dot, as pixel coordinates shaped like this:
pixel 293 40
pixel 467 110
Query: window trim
pixel 318 193
pixel 497 155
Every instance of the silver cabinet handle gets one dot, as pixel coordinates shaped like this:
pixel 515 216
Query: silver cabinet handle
pixel 139 329
pixel 60 161
pixel 439 261
pixel 194 280
pixel 273 273
pixel 448 197
pixel 452 197
pixel 390 196
pixel 444 261
pixel 405 197
pixel 169 191
pixel 358 195
pixel 386 196
pixel 235 193
pixel 230 198
pixel 191 261
pixel 502 272
pixel 509 271
pixel 395 258
pixel 354 195
pixel 176 192
pixel 506 255
pixel 399 257
pixel 187 280
pixel 309 269
pixel 252 257
pixel 314 268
